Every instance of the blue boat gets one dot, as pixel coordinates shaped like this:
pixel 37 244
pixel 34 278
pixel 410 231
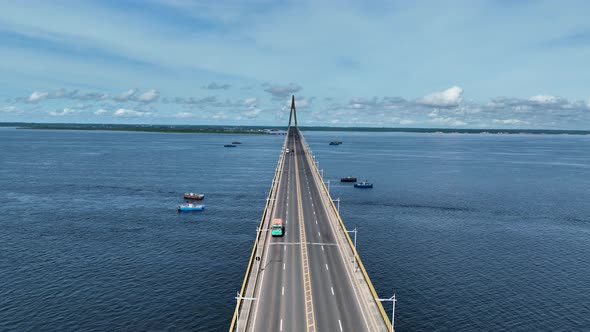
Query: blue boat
pixel 191 207
pixel 363 184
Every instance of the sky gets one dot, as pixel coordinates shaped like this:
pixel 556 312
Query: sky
pixel 373 63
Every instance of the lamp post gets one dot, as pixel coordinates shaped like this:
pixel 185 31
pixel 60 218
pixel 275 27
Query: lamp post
pixel 354 258
pixel 392 300
pixel 322 172
pixel 328 183
pixel 337 200
pixel 258 258
pixel 238 298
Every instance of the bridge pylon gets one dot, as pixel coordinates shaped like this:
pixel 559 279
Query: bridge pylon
pixel 293 112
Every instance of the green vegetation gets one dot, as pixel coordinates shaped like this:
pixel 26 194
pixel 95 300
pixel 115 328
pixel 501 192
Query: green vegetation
pixel 269 129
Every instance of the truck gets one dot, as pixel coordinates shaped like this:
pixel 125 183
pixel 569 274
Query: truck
pixel 277 228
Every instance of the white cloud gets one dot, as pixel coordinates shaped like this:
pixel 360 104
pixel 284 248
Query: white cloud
pixel 544 99
pixel 216 86
pixel 282 91
pixel 250 102
pixel 510 121
pixel 37 96
pixel 63 112
pixel 149 96
pixel 447 98
pixel 123 112
pixel 252 113
pixel 448 121
pixel 184 115
pixel 101 111
pixel 407 122
pixel 125 96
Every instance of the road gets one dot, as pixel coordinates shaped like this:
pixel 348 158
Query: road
pixel 304 284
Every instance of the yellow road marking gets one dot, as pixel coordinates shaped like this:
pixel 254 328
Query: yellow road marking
pixel 309 314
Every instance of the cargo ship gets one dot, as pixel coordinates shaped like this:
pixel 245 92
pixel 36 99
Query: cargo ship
pixel 229 145
pixel 198 197
pixel 236 142
pixel 348 179
pixel 335 142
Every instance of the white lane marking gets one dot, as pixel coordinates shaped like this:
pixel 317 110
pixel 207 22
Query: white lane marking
pixel 316 221
pixel 327 267
pixel 283 291
pixel 286 221
pixel 284 264
pixel 322 248
pixel 285 247
pixel 332 288
pixel 320 235
pixel 340 325
pixel 281 324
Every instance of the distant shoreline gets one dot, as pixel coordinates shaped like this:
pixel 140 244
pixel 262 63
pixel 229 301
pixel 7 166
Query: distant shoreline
pixel 265 130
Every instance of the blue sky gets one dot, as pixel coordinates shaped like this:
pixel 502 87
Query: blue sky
pixel 464 64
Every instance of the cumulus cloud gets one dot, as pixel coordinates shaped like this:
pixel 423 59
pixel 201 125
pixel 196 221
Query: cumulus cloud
pixel 448 121
pixel 123 112
pixel 101 111
pixel 281 91
pixel 253 113
pixel 65 111
pixel 216 86
pixel 125 96
pixel 37 96
pixel 511 121
pixel 148 96
pixel 10 109
pixel 250 102
pixel 450 97
pixel 407 122
pixel 184 115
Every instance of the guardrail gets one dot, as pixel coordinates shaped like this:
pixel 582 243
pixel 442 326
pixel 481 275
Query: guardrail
pixel 350 243
pixel 271 192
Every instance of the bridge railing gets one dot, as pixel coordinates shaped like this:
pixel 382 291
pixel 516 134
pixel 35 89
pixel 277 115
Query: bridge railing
pixel 349 240
pixel 271 193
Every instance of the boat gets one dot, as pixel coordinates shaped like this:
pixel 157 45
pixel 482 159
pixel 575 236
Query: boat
pixel 348 179
pixel 363 184
pixel 191 207
pixel 230 145
pixel 198 197
pixel 335 142
pixel 236 142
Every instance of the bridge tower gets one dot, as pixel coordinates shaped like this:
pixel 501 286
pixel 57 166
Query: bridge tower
pixel 293 113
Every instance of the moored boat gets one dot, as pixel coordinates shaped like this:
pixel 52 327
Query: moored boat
pixel 191 207
pixel 236 142
pixel 229 145
pixel 348 179
pixel 363 184
pixel 198 197
pixel 335 142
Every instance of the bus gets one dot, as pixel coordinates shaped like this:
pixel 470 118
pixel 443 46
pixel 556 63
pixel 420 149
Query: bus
pixel 277 228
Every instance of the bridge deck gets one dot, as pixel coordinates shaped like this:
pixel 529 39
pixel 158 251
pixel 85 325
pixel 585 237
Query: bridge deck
pixel 308 279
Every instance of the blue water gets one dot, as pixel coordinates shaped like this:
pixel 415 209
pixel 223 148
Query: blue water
pixel 472 232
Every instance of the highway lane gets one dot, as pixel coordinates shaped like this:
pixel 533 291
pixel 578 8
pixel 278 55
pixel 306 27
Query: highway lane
pixel 337 307
pixel 279 306
pixel 281 296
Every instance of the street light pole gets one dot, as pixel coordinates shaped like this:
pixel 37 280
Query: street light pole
pixel 322 172
pixel 238 298
pixel 337 200
pixel 354 231
pixel 392 300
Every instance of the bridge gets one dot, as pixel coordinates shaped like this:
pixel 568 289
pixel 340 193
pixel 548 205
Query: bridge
pixel 311 278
